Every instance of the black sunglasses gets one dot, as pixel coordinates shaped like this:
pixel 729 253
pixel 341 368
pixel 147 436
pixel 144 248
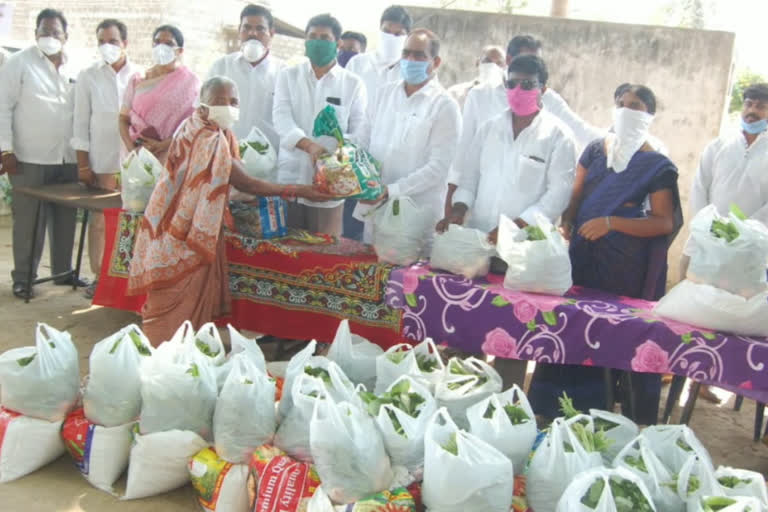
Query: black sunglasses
pixel 524 83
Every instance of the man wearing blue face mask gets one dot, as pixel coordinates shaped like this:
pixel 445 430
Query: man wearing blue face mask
pixel 414 129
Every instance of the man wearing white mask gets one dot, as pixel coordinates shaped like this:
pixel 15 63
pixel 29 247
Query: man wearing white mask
pixel 254 70
pixel 520 163
pixel 491 71
pixel 36 104
pixel 414 129
pixel 96 138
pixel 302 92
pixel 381 67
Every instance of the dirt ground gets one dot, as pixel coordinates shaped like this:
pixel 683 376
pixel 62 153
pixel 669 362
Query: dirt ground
pixel 59 487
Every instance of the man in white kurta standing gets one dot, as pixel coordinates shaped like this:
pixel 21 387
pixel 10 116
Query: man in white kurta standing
pixel 491 71
pixel 414 129
pixel 254 69
pixel 36 107
pixel 302 91
pixel 96 137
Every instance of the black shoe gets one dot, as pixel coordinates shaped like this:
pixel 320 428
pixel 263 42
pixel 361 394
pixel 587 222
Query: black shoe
pixel 70 281
pixel 20 290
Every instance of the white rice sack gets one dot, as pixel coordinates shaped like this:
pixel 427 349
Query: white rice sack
pixel 220 486
pixel 26 444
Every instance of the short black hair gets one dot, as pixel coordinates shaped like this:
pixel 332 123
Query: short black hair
pixel 434 41
pixel 357 36
pixel 397 14
pixel 258 10
pixel 175 32
pixel 111 22
pixel 645 94
pixel 756 92
pixel 517 43
pixel 530 65
pixel 325 20
pixel 47 14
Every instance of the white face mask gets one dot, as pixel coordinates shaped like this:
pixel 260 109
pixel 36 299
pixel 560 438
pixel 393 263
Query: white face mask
pixel 253 50
pixel 223 115
pixel 630 133
pixel 490 73
pixel 111 53
pixel 163 54
pixel 391 47
pixel 49 45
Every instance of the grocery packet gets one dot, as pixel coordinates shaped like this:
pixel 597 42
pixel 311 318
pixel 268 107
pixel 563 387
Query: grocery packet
pixel 350 171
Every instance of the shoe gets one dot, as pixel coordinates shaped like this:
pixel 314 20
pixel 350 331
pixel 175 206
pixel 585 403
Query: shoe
pixel 70 281
pixel 90 291
pixel 20 291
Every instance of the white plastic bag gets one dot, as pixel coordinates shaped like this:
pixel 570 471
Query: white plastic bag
pixel 711 308
pixel 177 395
pixel 348 452
pixel 462 251
pixel 292 435
pixel 100 453
pixel 740 482
pixel 158 462
pixel 406 448
pixel 355 355
pixel 726 504
pixel 138 176
pixel 245 416
pixel 293 371
pixel 41 381
pixel 674 444
pixel 617 428
pixel 421 362
pixel 638 458
pixel 219 485
pixel 400 230
pixel 464 384
pixel 258 156
pixel 696 479
pixel 581 488
pixel 475 478
pixel 112 396
pixel 738 266
pixel 248 346
pixel 552 468
pixel 208 342
pixel 26 444
pixel 489 421
pixel 538 266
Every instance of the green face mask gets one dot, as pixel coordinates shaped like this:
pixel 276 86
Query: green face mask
pixel 320 52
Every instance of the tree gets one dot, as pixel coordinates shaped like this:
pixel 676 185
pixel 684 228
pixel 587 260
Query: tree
pixel 744 78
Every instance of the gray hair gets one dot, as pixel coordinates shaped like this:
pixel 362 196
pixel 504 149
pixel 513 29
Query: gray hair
pixel 212 85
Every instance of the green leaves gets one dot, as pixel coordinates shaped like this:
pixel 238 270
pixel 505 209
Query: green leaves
pixel 139 344
pixel 732 482
pixel 194 370
pixel 715 503
pixel 515 413
pixel 398 357
pixel 724 229
pixel 694 484
pixel 636 462
pixel 627 496
pixel 567 408
pixel 320 373
pixel 455 367
pixel 592 498
pixel 260 148
pixel 426 364
pixel 451 446
pixel 595 441
pixel 396 207
pixel 535 233
pixel 604 424
pixel 24 361
pixel 205 349
pixel 401 397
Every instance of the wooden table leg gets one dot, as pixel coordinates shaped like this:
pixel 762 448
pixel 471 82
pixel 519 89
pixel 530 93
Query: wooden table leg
pixel 759 415
pixel 691 403
pixel 76 276
pixel 675 389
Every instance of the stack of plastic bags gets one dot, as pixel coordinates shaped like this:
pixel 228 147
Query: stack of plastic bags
pixel 726 288
pixel 138 176
pixel 40 385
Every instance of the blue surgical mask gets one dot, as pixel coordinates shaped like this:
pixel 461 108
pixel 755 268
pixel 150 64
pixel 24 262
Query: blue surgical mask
pixel 414 72
pixel 754 128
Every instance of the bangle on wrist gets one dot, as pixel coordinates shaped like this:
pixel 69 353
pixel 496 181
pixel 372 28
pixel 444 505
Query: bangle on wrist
pixel 608 222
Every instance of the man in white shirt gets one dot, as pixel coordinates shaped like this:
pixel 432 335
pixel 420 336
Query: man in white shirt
pixel 255 71
pixel 96 137
pixel 381 67
pixel 520 164
pixel 302 91
pixel 491 71
pixel 352 44
pixel 414 129
pixel 36 104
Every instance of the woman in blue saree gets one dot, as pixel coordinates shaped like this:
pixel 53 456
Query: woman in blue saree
pixel 623 215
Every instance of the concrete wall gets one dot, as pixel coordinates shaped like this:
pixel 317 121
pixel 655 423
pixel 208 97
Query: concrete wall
pixel 689 70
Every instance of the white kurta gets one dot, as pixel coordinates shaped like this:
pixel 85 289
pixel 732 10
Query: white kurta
pixel 98 97
pixel 415 139
pixel 299 97
pixel 517 177
pixel 732 173
pixel 256 85
pixel 374 72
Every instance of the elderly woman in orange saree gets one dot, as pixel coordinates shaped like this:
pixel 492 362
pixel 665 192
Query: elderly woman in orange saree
pixel 179 259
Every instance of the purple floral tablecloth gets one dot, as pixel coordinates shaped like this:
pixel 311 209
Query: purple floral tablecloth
pixel 585 327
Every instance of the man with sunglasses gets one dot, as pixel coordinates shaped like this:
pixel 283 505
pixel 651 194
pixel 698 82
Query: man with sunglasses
pixel 36 111
pixel 519 164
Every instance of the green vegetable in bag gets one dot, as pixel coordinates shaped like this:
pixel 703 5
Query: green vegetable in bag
pixel 715 503
pixel 732 482
pixel 627 496
pixel 535 233
pixel 451 446
pixel 399 396
pixel 515 413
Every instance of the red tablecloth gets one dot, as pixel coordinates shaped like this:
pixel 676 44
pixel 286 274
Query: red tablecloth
pixel 298 287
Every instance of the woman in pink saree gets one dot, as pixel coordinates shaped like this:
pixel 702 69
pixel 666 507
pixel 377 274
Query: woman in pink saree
pixel 154 105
